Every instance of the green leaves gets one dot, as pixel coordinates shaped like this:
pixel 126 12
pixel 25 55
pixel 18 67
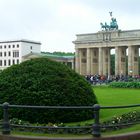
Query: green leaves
pixel 48 83
pixel 125 84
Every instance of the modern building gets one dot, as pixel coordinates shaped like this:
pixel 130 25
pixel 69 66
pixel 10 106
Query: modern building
pixel 16 51
pixel 13 51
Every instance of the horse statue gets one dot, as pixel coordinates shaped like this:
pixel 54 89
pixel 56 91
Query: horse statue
pixel 105 26
pixel 113 24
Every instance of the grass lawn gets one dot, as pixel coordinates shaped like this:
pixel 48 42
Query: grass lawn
pixel 113 97
pixel 116 96
pixel 106 97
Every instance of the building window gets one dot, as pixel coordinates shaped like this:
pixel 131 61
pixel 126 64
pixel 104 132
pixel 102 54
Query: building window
pixel 13 61
pixel 17 61
pixel 4 53
pixel 9 53
pixel 31 47
pixel 4 46
pixel 0 62
pixel 17 45
pixel 9 46
pixel 0 47
pixel 9 62
pixel 15 53
pixel 4 62
pixel 13 46
pixel 0 54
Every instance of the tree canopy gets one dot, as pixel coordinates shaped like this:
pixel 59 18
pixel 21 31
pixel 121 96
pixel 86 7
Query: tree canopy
pixel 44 82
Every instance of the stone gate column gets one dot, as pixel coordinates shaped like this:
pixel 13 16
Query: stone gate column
pixel 106 61
pixel 130 62
pixel 94 61
pixel 88 61
pixel 72 64
pixel 80 61
pixel 100 72
pixel 77 61
pixel 136 60
pixel 133 60
pixel 122 61
pixel 117 60
pixel 91 61
pixel 109 63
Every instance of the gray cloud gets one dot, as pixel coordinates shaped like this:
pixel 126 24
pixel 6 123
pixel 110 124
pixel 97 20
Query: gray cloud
pixel 55 22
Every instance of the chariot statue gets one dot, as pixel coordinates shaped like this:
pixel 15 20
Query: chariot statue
pixel 113 24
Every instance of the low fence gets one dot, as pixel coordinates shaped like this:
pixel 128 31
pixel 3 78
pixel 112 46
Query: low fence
pixel 96 127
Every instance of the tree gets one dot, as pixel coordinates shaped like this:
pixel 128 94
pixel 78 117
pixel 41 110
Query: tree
pixel 44 82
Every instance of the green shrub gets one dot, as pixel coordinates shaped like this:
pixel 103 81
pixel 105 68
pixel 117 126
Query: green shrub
pixel 125 84
pixel 44 82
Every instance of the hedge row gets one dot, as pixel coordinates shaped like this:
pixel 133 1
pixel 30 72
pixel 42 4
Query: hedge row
pixel 125 84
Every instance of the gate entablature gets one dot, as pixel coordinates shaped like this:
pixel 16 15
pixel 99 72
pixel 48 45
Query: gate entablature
pixel 113 38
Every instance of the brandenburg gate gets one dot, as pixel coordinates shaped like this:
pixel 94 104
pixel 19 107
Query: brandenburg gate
pixel 93 51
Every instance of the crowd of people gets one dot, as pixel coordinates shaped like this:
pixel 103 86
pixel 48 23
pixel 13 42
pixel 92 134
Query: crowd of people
pixel 105 79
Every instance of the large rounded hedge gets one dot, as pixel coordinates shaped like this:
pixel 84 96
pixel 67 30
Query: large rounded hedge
pixel 44 82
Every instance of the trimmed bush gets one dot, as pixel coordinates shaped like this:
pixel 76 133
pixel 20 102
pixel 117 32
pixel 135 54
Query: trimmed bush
pixel 125 84
pixel 44 82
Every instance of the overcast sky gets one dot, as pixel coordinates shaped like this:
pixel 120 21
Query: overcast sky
pixel 55 23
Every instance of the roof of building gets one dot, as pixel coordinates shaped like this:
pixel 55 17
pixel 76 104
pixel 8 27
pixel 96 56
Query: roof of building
pixel 62 57
pixel 49 55
pixel 57 56
pixel 21 40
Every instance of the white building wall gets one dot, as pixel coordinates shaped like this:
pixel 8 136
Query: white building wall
pixel 6 56
pixel 29 48
pixel 12 52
